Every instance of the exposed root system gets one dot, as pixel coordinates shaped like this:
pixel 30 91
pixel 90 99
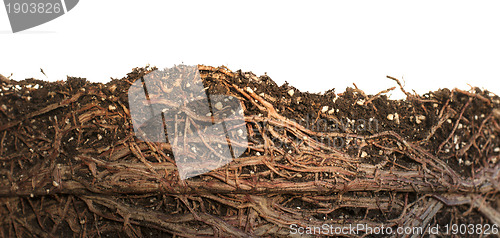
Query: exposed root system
pixel 70 164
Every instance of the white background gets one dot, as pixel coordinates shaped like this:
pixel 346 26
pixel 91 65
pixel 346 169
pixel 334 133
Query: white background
pixel 314 45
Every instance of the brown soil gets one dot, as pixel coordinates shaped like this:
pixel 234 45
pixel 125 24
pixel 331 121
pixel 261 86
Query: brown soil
pixel 70 164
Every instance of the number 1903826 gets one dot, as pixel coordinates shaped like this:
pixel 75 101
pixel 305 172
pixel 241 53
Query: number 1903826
pixel 32 8
pixel 462 229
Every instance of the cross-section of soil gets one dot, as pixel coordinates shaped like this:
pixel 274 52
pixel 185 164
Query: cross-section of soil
pixel 316 164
